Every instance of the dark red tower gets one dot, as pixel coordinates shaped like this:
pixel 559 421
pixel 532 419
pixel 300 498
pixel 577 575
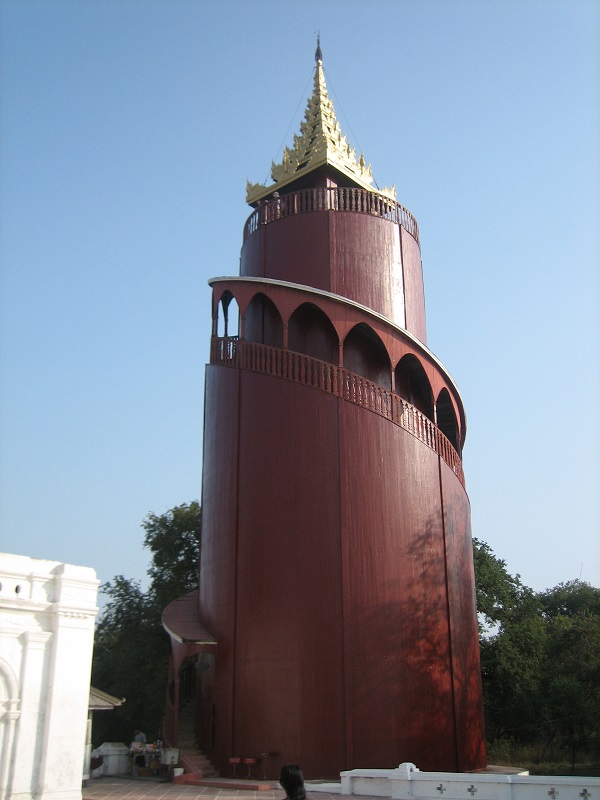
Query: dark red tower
pixel 335 623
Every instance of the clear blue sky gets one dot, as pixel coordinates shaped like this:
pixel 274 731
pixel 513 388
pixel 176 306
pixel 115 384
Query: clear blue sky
pixel 128 130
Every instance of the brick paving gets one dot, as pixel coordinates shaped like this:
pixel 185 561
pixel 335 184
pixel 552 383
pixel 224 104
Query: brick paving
pixel 114 788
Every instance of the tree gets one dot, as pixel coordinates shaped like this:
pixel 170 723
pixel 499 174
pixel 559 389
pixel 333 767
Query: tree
pixel 540 658
pixel 173 538
pixel 571 675
pixel 130 658
pixel 511 669
pixel 131 650
pixel 497 592
pixel 571 599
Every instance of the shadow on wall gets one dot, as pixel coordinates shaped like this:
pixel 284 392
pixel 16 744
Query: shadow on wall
pixel 416 682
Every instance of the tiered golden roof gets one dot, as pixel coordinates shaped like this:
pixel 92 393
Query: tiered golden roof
pixel 319 143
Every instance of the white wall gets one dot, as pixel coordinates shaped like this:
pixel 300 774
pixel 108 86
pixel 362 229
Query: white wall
pixel 47 614
pixel 406 782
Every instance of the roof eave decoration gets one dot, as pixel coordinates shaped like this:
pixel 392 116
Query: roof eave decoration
pixel 319 143
pixel 102 701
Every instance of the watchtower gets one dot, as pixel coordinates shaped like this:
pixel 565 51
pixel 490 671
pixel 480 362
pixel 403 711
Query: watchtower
pixel 335 618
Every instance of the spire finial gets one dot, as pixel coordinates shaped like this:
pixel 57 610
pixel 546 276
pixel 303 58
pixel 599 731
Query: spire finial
pixel 320 143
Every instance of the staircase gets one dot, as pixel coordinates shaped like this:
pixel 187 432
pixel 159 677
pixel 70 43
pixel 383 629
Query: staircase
pixel 190 757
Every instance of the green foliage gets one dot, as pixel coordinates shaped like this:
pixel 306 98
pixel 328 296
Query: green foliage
pixel 540 661
pixel 571 599
pixel 538 761
pixel 497 592
pixel 511 663
pixel 571 678
pixel 173 539
pixel 130 659
pixel 131 649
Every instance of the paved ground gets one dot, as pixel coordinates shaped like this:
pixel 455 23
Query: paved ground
pixel 149 789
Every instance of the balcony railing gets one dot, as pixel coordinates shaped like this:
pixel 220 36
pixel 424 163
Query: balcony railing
pixel 331 198
pixel 300 368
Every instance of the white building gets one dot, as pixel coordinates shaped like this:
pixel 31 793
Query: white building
pixel 47 614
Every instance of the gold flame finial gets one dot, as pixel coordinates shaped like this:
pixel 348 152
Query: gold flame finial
pixel 319 143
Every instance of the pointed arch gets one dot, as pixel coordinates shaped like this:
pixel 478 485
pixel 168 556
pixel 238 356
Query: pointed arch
pixel 263 322
pixel 228 315
pixel 366 355
pixel 310 331
pixel 413 384
pixel 446 418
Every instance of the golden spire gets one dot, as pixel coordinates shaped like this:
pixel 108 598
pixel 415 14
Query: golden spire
pixel 320 142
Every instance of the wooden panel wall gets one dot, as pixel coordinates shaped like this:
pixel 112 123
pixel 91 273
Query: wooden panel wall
pixel 288 695
pixel 218 543
pixel 340 649
pixel 465 640
pixel 395 601
pixel 414 292
pixel 365 263
pixel 354 255
pixel 251 261
pixel 294 249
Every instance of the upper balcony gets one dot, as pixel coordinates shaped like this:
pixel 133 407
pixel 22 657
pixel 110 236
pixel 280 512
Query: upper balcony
pixel 281 363
pixel 331 198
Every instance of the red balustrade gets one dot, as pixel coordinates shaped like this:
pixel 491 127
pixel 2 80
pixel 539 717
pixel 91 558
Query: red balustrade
pixel 331 198
pixel 300 368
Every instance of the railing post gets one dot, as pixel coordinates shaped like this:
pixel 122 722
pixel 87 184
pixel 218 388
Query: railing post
pixel 235 352
pixel 361 201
